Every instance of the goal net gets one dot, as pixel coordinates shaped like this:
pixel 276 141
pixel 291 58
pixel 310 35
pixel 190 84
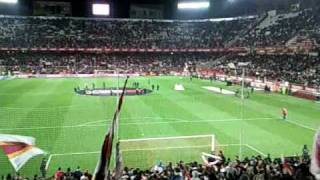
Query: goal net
pixel 145 152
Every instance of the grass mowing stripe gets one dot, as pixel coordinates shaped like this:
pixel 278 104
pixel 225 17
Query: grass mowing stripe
pixel 134 123
pixel 191 112
pixel 301 125
pixel 146 149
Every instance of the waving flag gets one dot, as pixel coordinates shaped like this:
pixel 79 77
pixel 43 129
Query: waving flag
pixel 102 168
pixel 118 170
pixel 315 159
pixel 105 157
pixel 19 149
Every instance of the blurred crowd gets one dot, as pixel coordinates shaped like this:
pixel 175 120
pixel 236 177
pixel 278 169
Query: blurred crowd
pixel 284 29
pixel 82 63
pixel 254 168
pixel 299 69
pixel 34 32
pixel 295 68
pixel 60 32
pixel 217 167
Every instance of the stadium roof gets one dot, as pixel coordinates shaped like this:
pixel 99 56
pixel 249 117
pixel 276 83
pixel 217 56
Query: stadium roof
pixel 121 8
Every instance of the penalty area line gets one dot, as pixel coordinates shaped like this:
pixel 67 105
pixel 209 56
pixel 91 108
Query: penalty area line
pixel 301 125
pixel 138 123
pixel 76 153
pixel 255 149
pixel 48 162
pixel 140 149
pixel 147 149
pixel 178 120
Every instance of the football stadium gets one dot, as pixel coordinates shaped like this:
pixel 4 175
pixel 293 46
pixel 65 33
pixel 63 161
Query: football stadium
pixel 202 93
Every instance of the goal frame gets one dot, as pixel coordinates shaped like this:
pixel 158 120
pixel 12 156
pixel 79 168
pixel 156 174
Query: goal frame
pixel 211 136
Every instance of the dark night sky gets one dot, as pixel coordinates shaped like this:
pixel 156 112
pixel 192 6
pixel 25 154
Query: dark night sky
pixel 120 8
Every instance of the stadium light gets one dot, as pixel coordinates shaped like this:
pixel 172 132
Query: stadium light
pixel 193 5
pixel 101 9
pixel 9 1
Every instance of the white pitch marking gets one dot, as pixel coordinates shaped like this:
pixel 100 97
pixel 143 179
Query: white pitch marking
pixel 48 162
pixel 135 123
pixel 198 121
pixel 179 120
pixel 76 153
pixel 164 138
pixel 255 149
pixel 166 148
pixel 142 149
pixel 301 125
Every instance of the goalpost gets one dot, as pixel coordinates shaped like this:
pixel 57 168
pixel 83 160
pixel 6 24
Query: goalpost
pixel 145 152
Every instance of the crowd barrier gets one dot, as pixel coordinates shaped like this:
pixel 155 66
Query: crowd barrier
pixel 25 76
pixel 298 90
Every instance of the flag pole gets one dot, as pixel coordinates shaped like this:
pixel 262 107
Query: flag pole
pixel 242 104
pixel 102 170
pixel 117 119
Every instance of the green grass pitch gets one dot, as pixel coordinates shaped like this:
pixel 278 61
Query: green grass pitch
pixel 71 127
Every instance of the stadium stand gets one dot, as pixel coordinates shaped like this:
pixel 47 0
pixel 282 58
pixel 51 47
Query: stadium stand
pixel 82 63
pixel 276 30
pixel 94 33
pixel 255 167
pixel 56 32
pixel 299 69
pixel 52 32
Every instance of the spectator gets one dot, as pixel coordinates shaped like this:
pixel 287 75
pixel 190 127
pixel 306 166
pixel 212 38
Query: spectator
pixel 59 175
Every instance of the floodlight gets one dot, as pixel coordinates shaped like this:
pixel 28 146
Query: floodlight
pixel 193 5
pixel 9 1
pixel 101 9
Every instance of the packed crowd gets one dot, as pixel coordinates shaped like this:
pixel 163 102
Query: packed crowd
pixel 81 63
pixel 254 168
pixel 284 29
pixel 215 167
pixel 33 32
pixel 300 69
pixel 57 32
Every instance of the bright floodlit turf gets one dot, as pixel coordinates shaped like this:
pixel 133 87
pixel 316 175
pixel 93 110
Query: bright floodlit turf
pixel 71 127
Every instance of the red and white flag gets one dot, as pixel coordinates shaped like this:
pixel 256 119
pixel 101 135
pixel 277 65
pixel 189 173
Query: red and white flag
pixel 118 169
pixel 19 149
pixel 102 168
pixel 315 158
pixel 103 164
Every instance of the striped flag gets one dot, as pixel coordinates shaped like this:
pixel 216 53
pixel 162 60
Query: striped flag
pixel 102 169
pixel 118 170
pixel 315 159
pixel 19 149
pixel 105 157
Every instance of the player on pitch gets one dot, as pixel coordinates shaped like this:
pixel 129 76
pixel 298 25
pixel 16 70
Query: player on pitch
pixel 284 113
